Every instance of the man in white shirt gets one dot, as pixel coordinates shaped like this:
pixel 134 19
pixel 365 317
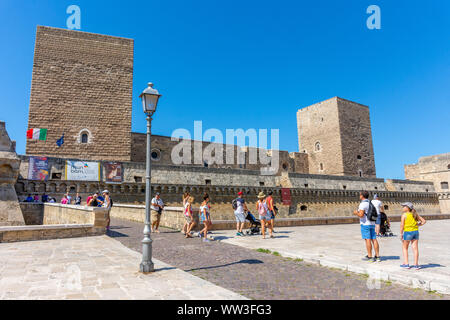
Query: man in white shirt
pixel 379 206
pixel 156 207
pixel 367 228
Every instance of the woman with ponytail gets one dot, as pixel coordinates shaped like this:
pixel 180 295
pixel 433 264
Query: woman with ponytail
pixel 409 230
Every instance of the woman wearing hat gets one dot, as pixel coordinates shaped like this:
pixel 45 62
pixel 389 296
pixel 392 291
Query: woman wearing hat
pixel 189 216
pixel 409 230
pixel 264 215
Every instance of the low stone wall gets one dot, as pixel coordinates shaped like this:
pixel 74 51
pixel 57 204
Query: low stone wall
pixel 60 221
pixel 294 222
pixel 33 213
pixel 172 217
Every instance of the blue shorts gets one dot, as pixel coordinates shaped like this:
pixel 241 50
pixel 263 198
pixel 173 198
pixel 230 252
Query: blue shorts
pixel 411 235
pixel 368 232
pixel 203 218
pixel 266 217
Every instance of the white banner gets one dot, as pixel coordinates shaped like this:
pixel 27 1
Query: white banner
pixel 82 171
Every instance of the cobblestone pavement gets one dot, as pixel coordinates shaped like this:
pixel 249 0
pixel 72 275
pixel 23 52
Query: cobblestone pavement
pixel 259 275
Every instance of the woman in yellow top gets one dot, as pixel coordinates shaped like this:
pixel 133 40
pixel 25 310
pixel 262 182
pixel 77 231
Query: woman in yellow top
pixel 409 230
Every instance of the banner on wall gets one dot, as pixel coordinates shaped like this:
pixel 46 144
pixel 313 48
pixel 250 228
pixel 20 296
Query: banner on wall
pixel 113 172
pixel 82 170
pixel 38 168
pixel 286 196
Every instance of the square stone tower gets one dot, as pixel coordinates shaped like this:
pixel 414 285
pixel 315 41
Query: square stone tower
pixel 82 88
pixel 337 136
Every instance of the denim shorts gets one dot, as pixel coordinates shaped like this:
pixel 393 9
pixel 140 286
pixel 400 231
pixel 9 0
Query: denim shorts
pixel 378 219
pixel 203 218
pixel 266 218
pixel 368 232
pixel 411 235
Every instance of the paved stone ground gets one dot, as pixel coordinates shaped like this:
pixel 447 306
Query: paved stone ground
pixel 258 275
pixel 341 246
pixel 93 268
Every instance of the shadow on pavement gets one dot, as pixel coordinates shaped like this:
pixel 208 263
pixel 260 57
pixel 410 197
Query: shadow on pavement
pixel 115 234
pixel 390 258
pixel 431 265
pixel 246 261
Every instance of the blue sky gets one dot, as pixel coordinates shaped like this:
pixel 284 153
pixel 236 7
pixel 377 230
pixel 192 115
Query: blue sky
pixel 252 64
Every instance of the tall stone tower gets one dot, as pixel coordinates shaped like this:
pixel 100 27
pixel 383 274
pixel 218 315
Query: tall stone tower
pixel 337 136
pixel 82 88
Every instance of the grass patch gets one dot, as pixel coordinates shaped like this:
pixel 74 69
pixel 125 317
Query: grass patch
pixel 276 253
pixel 298 260
pixel 388 283
pixel 263 250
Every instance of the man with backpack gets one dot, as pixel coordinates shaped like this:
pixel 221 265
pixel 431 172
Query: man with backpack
pixel 240 208
pixel 367 214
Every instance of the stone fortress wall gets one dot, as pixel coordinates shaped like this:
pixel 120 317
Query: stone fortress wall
pixel 312 195
pixel 436 169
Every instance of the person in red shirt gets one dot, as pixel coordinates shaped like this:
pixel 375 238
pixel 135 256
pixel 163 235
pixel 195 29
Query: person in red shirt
pixel 270 206
pixel 88 199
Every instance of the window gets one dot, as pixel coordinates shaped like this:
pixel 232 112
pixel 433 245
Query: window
pixel 205 164
pixel 137 179
pixel 208 181
pixel 306 185
pixel 386 207
pixel 358 157
pixel 303 208
pixel 285 166
pixel 261 183
pixel 84 136
pixel 360 173
pixel 448 166
pixel 56 176
pixel 376 188
pixel 401 189
pixel 345 187
pixel 317 146
pixel 321 166
pixel 444 185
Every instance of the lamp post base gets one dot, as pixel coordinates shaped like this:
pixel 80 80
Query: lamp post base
pixel 147 267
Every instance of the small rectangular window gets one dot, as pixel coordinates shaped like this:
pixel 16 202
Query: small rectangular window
pixel 137 179
pixel 207 181
pixel 444 185
pixel 261 183
pixel 56 176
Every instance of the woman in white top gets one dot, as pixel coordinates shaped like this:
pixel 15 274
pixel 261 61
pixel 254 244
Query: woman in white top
pixel 205 217
pixel 185 197
pixel 264 215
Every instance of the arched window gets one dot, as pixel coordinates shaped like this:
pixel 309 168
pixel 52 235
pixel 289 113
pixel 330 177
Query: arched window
pixel 317 146
pixel 84 136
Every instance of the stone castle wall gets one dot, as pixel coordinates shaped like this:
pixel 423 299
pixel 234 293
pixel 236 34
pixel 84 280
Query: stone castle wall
pixel 82 83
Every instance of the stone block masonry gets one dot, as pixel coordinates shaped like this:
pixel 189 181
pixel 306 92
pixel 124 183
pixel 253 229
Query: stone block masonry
pixel 82 84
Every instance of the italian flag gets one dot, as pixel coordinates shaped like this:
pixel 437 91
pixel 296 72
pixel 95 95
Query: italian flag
pixel 37 134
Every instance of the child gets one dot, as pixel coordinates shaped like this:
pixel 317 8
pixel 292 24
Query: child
pixel 409 230
pixel 205 217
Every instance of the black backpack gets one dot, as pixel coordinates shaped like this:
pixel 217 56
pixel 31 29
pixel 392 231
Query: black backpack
pixel 234 203
pixel 372 214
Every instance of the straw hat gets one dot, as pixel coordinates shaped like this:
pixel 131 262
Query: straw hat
pixel 261 195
